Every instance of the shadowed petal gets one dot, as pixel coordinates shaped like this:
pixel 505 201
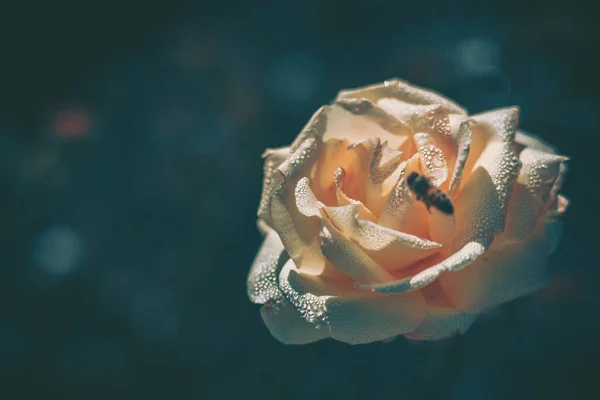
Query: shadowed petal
pixel 441 323
pixel 347 315
pixel 442 319
pixel 287 326
pixel 314 129
pixel 262 279
pixel 505 274
pixel 273 159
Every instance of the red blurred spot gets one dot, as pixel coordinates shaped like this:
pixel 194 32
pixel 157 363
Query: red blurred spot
pixel 72 123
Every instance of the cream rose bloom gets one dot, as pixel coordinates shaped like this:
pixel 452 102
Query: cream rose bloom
pixel 350 253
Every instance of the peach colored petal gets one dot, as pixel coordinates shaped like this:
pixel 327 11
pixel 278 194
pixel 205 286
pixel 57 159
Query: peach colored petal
pixel 343 200
pixel 532 192
pixel 457 261
pixel 287 326
pixel 343 124
pixel 381 163
pixel 262 279
pixel 442 228
pixel 442 319
pixel 389 248
pixel 403 91
pixel 347 315
pixel 433 160
pixel 505 274
pixel 348 257
pixel 401 211
pixel 334 154
pixel 298 233
pixel 376 113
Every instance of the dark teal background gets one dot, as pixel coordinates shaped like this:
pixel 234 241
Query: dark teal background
pixel 130 173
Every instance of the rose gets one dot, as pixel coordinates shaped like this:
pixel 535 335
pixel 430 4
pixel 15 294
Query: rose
pixel 350 253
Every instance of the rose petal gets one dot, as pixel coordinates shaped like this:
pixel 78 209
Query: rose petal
pixel 482 202
pixel 532 192
pixel 397 206
pixel 480 207
pixel 505 274
pixel 462 140
pixel 314 129
pixel 343 200
pixel 348 257
pixel 381 163
pixel 347 315
pixel 497 126
pixel 306 201
pixel 433 161
pixel 262 279
pixel 560 180
pixel 403 91
pixel 273 159
pixel 379 246
pixel 431 119
pixel 457 261
pixel 442 228
pixel 559 207
pixel 334 154
pixel 389 248
pixel 346 125
pixel 287 326
pixel 441 323
pixel 298 233
pixel 442 319
pixel 376 113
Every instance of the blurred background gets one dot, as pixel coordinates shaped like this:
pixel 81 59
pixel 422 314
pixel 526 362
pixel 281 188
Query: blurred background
pixel 130 174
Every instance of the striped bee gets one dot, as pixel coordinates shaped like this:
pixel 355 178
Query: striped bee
pixel 429 194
